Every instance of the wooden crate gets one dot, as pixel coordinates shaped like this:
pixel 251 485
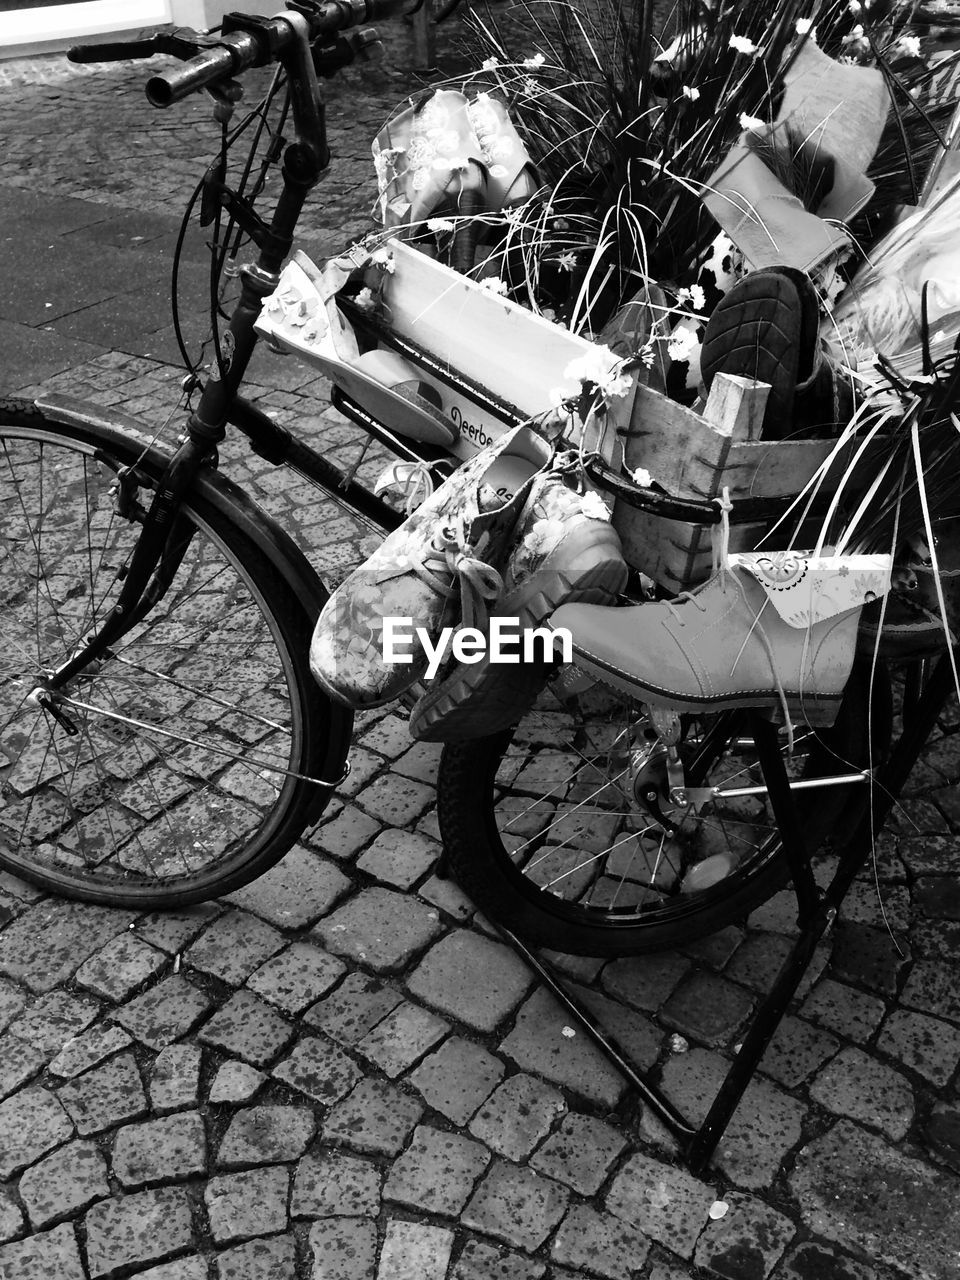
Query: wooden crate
pixel 694 455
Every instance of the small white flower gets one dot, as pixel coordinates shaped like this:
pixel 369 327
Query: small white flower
pixel 804 26
pixel 594 365
pixel 493 284
pixel 365 300
pixel 567 261
pixel 642 477
pixel 489 64
pixel 533 63
pixel 742 44
pixel 751 122
pixel 854 6
pixel 384 258
pixel 909 46
pixel 691 93
pixel 682 342
pixel 531 86
pixel 548 313
pixel 441 224
pixel 594 507
pixel 693 297
pixel 647 355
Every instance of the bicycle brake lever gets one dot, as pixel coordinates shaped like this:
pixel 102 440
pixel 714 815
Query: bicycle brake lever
pixel 181 42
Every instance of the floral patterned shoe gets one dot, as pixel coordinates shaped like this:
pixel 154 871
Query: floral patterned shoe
pixel 439 567
pixel 564 551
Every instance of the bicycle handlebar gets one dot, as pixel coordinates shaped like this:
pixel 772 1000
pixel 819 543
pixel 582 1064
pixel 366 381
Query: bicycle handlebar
pixel 236 50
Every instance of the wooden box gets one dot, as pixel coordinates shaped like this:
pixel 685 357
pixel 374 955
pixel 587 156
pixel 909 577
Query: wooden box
pixel 693 455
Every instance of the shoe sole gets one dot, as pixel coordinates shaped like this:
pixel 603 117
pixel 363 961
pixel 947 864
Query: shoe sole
pixel 819 710
pixel 490 696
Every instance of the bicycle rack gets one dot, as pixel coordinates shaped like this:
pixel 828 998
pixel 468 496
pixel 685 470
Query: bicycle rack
pixel 816 912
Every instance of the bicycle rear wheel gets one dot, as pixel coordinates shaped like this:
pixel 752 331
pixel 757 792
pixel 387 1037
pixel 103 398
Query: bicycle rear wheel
pixel 565 831
pixel 185 761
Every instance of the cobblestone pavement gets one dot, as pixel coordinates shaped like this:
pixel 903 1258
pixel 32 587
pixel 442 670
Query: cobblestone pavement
pixel 337 1071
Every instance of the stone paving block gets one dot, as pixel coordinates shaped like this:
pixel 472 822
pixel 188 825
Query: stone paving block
pixel 233 946
pixel 164 1150
pixel 12 999
pixel 390 736
pixel 645 982
pixel 758 960
pixel 857 1190
pixel 928 854
pixel 248 1028
pixel 747 1242
pixel 364 765
pixel 251 1203
pixel 193 1267
pixel 266 1135
pixel 296 977
pixel 932 988
pixel 318 1069
pixel 472 978
pixel 118 969
pixel 382 928
pixel 862 906
pixel 165 1012
pixel 11 1218
pixel 856 1085
pixel 927 1045
pixel 707 1008
pixel 267 1258
pixel 538 1043
pixel 106 1096
pixel 827 1263
pixel 516 1205
pixel 171 931
pixel 19 1062
pixel 236 1082
pixel 396 800
pixel 420 761
pixel 850 1013
pixel 357 1005
pixel 868 957
pixel 376 1118
pixel 414 1251
pixel 599 1243
pixel 42 1256
pixel 346 834
pixel 64 1182
pixel 797 1050
pixel 518 1115
pixel 765 1126
pixel 94 1045
pixel 32 1123
pixel 665 1203
pixel 716 949
pixel 580 1153
pixel 175 1078
pixel 483 1261
pixel 135 1229
pixel 49 942
pixel 402 1038
pixel 446 895
pixel 438 1171
pixel 334 1184
pixel 343 1249
pixel 53 1019
pixel 399 858
pixel 457 1078
pixel 296 891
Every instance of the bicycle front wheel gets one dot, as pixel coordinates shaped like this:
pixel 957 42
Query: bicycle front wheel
pixel 568 830
pixel 187 759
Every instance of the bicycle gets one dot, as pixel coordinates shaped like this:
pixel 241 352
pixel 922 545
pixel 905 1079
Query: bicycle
pixel 164 740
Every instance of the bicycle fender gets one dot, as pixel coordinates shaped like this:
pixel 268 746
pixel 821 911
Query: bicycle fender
pixel 221 493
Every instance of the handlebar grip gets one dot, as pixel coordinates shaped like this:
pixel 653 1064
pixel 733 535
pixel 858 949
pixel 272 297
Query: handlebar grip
pixel 117 51
pixel 234 52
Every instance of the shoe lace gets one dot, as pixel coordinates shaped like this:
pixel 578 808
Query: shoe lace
pixel 449 564
pixel 720 546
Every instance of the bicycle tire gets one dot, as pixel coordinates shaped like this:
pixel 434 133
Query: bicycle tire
pixel 587 882
pixel 185 762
